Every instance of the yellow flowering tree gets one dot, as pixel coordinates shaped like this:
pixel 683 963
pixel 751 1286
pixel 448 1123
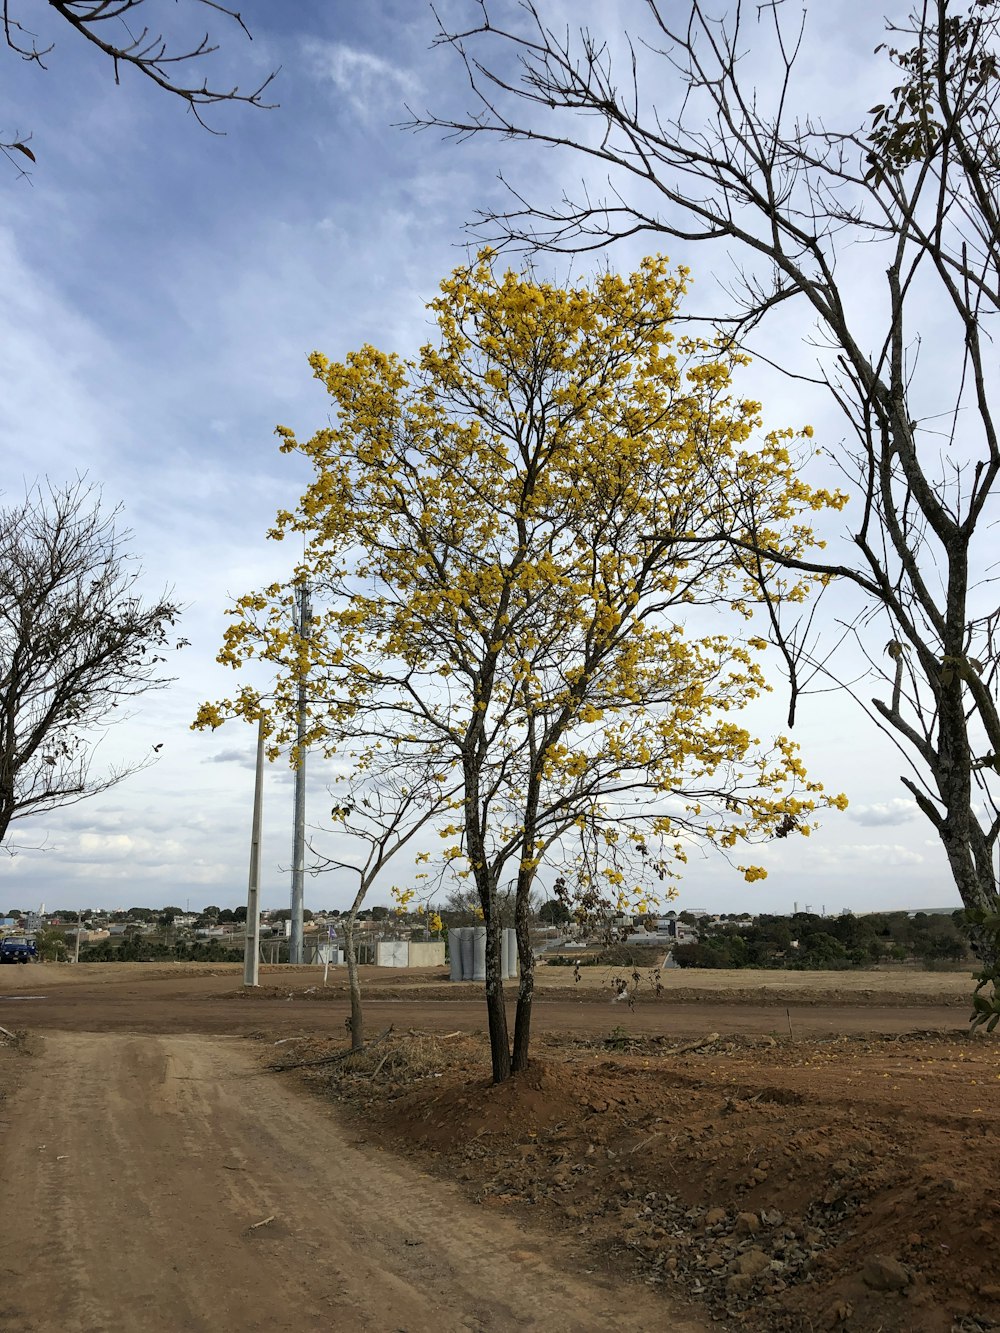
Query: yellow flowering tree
pixel 521 541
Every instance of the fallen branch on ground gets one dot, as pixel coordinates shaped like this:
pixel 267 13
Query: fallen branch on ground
pixel 698 1045
pixel 330 1059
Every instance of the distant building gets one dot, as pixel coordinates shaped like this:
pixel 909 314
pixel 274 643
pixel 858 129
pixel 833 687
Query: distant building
pixel 669 931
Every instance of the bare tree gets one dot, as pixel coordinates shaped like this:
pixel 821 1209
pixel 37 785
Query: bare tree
pixel 118 28
pixel 76 643
pixel 382 808
pixel 911 185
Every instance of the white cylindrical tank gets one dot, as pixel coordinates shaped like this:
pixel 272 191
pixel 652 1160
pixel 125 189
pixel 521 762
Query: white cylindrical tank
pixel 479 953
pixel 467 953
pixel 455 953
pixel 510 951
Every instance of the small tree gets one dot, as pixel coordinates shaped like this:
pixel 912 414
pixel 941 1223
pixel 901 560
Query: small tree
pixel 509 535
pixel 382 808
pixel 554 912
pixel 116 28
pixel 76 644
pixel 51 945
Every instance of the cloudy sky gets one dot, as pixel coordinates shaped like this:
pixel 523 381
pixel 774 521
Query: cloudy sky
pixel 162 287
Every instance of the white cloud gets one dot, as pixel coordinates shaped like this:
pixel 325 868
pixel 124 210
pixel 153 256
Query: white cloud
pixel 896 811
pixel 245 758
pixel 871 854
pixel 137 850
pixel 370 84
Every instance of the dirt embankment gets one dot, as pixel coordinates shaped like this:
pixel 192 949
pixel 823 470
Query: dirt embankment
pixel 846 1184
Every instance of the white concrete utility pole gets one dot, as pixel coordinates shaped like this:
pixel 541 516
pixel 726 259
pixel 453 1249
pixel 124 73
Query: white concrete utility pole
pixel 299 826
pixel 251 951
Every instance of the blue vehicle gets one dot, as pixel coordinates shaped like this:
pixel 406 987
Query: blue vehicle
pixel 18 949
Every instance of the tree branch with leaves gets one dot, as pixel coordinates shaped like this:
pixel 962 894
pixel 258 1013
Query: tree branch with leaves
pixel 520 550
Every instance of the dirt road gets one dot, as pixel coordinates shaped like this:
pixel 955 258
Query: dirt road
pixel 166 1185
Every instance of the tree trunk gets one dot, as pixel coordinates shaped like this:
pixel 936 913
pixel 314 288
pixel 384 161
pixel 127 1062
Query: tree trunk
pixel 968 856
pixel 495 1009
pixel 526 989
pixel 522 1022
pixel 496 1013
pixel 354 985
pixel 968 847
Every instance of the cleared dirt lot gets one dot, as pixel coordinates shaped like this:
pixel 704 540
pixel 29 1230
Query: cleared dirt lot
pixel 901 984
pixel 734 1154
pixel 141 997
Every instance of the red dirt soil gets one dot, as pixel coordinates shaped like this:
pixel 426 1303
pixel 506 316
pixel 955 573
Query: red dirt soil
pixel 763 1154
pixel 845 1184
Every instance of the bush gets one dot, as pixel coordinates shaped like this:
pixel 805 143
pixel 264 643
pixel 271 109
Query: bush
pixel 614 955
pixel 700 955
pixel 51 946
pixel 155 951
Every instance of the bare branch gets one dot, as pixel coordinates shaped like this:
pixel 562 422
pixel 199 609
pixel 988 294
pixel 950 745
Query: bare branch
pixel 142 49
pixel 914 181
pixel 76 645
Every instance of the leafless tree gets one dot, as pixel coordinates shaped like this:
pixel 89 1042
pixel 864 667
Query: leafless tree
pixel 912 185
pixel 381 807
pixel 76 644
pixel 118 28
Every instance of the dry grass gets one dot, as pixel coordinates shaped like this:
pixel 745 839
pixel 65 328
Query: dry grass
pixel 887 985
pixel 398 1059
pixel 887 981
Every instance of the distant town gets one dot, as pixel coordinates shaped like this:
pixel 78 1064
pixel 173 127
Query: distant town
pixel 687 938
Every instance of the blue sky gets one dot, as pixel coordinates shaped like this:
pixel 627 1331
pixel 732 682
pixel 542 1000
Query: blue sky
pixel 162 288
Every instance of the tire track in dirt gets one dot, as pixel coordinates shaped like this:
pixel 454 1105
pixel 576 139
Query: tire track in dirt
pixel 134 1170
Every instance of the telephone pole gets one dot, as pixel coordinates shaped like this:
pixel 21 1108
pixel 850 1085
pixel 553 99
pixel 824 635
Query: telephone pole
pixel 299 822
pixel 251 951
